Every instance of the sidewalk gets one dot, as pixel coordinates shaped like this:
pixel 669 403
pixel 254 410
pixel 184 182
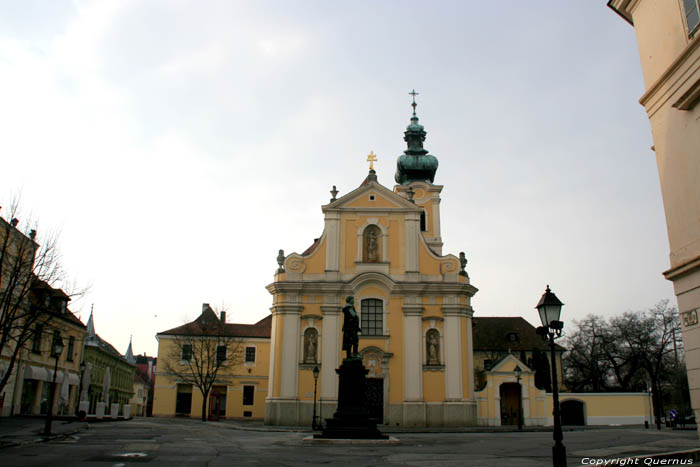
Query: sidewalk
pixel 15 431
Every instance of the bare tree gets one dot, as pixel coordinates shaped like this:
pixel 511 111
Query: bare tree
pixel 23 263
pixel 204 351
pixel 626 352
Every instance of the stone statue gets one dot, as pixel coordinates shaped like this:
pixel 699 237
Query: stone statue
pixel 433 348
pixel 351 328
pixel 310 345
pixel 372 246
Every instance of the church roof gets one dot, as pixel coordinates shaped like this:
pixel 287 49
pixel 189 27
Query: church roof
pixel 506 333
pixel 209 324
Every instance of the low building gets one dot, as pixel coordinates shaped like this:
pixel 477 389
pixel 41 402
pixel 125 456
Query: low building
pixel 496 337
pixel 110 377
pixel 146 366
pixel 233 358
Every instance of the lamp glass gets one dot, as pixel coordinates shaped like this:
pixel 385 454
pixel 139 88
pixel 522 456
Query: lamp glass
pixel 517 371
pixel 58 347
pixel 549 313
pixel 315 371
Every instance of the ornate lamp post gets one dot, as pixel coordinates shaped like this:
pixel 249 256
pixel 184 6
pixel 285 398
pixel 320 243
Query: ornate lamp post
pixel 313 420
pixel 518 373
pixel 549 308
pixel 56 351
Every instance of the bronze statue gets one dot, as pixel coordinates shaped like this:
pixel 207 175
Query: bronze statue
pixel 351 328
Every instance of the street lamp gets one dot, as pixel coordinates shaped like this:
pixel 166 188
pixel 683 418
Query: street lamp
pixel 314 426
pixel 56 350
pixel 549 308
pixel 518 373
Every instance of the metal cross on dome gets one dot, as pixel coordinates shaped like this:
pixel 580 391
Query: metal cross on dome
pixel 414 94
pixel 372 158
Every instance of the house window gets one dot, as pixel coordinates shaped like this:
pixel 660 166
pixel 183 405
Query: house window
pixel 187 352
pixel 250 354
pixel 71 344
pixel 183 402
pixel 248 395
pixel 36 341
pixel 692 15
pixel 423 225
pixel 220 353
pixel 371 316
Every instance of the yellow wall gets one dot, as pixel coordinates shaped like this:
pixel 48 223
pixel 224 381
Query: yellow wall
pixel 233 379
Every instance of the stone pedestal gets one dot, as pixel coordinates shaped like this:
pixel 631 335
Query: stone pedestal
pixel 351 420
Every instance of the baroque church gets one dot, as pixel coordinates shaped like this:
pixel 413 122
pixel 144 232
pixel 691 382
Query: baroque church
pixel 384 248
pixel 429 361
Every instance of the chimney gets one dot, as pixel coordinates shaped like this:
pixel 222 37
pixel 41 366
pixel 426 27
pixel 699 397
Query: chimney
pixel 204 307
pixel 223 316
pixel 14 222
pixel 32 234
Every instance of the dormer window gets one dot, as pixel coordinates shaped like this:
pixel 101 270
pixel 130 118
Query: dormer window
pixel 512 337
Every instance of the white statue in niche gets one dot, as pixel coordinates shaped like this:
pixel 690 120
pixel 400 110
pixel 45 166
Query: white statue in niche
pixel 433 347
pixel 310 345
pixel 371 244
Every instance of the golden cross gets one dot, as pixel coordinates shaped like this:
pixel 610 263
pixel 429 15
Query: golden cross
pixel 372 158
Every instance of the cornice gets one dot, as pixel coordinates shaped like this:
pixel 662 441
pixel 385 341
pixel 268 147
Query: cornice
pixel 682 269
pixel 652 98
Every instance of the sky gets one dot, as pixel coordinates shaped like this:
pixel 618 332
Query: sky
pixel 178 145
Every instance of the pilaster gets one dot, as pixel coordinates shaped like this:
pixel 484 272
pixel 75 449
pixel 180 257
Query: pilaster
pixel 413 368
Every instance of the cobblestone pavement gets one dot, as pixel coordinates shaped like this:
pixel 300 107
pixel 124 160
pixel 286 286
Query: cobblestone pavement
pixel 184 442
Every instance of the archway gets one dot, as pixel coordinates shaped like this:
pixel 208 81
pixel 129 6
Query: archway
pixel 572 412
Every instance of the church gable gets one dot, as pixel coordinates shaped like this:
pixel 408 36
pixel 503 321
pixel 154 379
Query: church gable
pixel 371 195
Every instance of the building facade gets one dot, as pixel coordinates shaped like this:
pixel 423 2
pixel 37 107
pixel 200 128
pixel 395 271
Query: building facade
pixel 234 358
pixel 669 49
pixel 108 376
pixel 35 368
pixel 384 248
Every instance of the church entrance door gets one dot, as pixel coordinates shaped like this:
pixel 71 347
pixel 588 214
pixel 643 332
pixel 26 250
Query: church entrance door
pixel 510 393
pixel 374 397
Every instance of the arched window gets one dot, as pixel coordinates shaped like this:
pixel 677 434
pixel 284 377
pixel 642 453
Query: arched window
pixel 372 245
pixel 371 316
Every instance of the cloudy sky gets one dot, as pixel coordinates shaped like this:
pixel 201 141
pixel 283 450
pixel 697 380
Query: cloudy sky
pixel 177 145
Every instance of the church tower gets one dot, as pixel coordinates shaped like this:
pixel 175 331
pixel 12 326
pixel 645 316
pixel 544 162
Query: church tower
pixel 384 248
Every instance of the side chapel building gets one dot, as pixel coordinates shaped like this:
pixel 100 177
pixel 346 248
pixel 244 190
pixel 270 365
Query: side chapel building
pixel 384 247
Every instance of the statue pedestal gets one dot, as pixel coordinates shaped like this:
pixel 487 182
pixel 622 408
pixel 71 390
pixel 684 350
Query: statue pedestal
pixel 351 420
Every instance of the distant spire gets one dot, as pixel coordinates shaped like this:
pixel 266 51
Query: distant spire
pixel 129 356
pixel 91 323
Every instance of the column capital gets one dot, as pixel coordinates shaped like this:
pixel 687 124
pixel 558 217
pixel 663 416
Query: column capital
pixel 286 309
pixel 412 310
pixel 331 309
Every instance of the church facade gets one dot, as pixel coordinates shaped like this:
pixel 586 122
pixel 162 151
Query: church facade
pixel 384 248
